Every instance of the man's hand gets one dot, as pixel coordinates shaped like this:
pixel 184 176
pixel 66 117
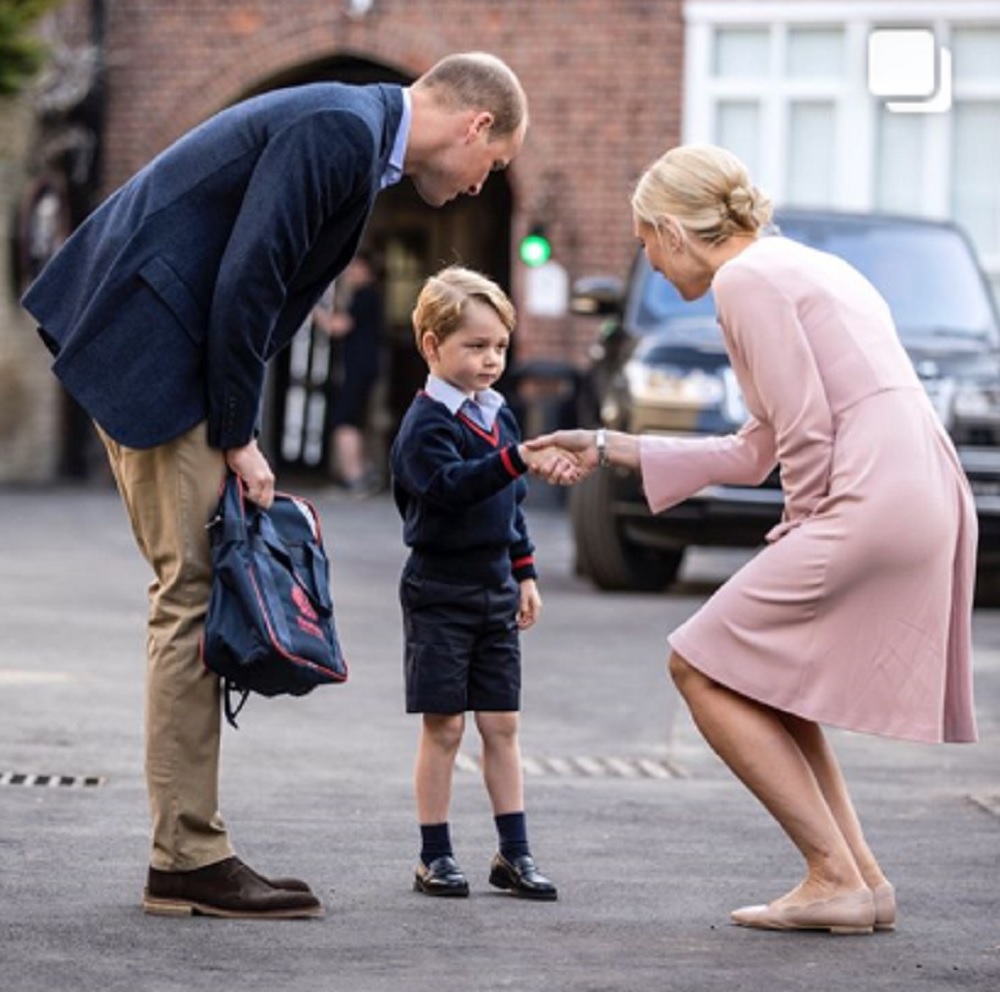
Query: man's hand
pixel 251 466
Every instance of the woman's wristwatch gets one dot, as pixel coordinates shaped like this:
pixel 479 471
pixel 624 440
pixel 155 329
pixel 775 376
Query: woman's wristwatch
pixel 601 443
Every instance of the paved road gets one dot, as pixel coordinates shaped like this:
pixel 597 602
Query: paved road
pixel 649 839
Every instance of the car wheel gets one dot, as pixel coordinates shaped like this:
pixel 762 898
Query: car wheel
pixel 603 553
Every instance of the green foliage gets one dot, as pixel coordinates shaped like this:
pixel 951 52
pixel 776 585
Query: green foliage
pixel 22 54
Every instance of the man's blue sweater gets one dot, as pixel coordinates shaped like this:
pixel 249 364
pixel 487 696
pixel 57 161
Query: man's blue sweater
pixel 459 489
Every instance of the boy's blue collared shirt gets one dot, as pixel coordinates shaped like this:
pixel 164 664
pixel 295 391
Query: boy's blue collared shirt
pixel 483 408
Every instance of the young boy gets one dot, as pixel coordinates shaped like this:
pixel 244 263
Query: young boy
pixel 468 586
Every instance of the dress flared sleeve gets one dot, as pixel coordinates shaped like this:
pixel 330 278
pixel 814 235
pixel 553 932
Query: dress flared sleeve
pixel 674 468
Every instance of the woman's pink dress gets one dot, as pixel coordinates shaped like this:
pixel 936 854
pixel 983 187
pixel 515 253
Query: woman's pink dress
pixel 857 613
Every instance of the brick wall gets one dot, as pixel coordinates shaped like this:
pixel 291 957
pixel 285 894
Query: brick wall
pixel 29 402
pixel 603 80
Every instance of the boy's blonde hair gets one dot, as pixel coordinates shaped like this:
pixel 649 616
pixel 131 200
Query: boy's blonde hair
pixel 444 302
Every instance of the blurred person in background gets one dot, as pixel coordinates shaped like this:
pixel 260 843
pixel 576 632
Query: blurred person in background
pixel 355 325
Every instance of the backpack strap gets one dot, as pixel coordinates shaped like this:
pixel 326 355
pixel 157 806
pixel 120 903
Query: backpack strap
pixel 233 522
pixel 233 711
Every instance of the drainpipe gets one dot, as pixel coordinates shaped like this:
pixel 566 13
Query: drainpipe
pixel 96 102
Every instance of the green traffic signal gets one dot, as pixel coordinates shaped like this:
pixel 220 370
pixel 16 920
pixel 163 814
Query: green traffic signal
pixel 535 248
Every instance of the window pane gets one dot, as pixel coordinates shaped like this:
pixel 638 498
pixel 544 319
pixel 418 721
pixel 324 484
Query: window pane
pixel 737 127
pixel 899 177
pixel 975 194
pixel 815 53
pixel 811 154
pixel 976 53
pixel 925 274
pixel 741 53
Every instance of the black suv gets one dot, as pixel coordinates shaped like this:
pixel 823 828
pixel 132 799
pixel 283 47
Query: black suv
pixel 660 367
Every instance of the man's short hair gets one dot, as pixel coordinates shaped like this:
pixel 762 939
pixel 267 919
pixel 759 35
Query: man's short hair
pixel 479 81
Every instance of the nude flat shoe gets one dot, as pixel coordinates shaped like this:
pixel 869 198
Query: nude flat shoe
pixel 885 906
pixel 853 912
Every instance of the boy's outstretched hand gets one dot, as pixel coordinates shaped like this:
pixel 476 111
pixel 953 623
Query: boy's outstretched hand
pixel 562 458
pixel 551 463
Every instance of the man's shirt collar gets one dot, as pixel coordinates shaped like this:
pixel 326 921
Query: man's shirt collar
pixel 397 157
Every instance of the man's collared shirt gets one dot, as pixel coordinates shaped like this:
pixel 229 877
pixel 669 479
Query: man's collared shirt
pixel 394 169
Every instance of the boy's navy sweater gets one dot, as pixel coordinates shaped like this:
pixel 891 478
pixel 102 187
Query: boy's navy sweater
pixel 459 489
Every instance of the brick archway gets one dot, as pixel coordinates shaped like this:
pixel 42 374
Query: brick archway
pixel 275 53
pixel 402 227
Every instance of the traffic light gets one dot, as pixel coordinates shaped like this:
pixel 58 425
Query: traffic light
pixel 535 247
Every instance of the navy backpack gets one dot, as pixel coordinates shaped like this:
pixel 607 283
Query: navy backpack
pixel 270 626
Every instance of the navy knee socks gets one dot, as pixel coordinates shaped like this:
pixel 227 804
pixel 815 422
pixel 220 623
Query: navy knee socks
pixel 435 841
pixel 512 829
pixel 512 833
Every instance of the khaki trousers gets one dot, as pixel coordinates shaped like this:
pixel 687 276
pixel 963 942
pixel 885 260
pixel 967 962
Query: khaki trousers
pixel 169 492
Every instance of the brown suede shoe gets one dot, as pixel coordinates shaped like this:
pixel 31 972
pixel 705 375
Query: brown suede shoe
pixel 291 884
pixel 228 889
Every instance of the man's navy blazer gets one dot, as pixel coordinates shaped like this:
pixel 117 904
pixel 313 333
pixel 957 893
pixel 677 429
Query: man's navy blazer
pixel 164 306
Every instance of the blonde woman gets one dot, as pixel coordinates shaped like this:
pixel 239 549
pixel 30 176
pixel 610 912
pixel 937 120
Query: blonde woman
pixel 857 612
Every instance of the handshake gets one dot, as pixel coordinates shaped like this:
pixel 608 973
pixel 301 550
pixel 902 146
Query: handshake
pixel 562 458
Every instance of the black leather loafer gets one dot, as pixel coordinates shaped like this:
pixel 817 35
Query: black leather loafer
pixel 521 878
pixel 442 877
pixel 229 889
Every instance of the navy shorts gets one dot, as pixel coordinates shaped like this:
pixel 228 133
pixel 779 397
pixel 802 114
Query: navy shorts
pixel 463 647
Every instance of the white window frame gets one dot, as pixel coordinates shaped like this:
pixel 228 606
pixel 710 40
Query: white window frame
pixel 857 111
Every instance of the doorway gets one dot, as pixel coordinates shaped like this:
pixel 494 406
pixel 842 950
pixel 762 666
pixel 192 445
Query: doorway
pixel 409 240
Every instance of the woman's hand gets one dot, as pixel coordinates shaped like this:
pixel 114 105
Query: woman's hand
pixel 575 448
pixel 550 463
pixel 621 449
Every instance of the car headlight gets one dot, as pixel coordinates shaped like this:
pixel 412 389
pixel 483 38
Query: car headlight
pixel 966 402
pixel 973 402
pixel 668 385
